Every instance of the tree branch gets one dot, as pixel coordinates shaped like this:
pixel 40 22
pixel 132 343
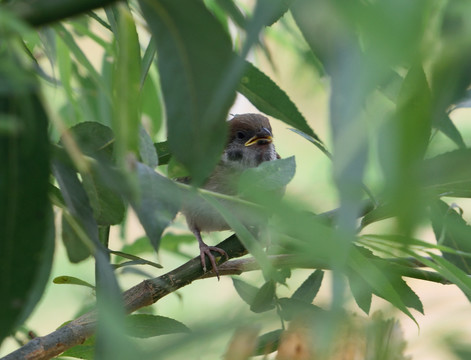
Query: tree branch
pixel 144 294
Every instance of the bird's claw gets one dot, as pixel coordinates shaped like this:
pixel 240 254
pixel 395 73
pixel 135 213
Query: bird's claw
pixel 206 250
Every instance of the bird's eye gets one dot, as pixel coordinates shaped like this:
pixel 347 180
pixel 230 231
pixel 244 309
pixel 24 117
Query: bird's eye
pixel 240 134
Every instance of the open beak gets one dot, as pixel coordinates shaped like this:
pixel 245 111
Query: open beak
pixel 259 140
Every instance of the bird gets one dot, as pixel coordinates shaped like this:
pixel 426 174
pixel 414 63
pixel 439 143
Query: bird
pixel 250 142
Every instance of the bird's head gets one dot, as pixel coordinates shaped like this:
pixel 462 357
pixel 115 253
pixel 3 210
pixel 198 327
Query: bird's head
pixel 250 141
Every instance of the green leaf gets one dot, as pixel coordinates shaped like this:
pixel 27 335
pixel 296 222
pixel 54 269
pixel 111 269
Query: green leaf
pixel 446 126
pixel 159 201
pixel 449 174
pixel 264 299
pixel 380 284
pixel 294 308
pixel 267 97
pixel 147 150
pixel 361 291
pixel 194 57
pixel 280 8
pixel 310 287
pixel 163 152
pixel 76 249
pixel 145 326
pixel 269 176
pixel 84 351
pixel 25 211
pixel 268 342
pixel 126 86
pixel 136 260
pixel 246 291
pixel 452 230
pixel 93 139
pixel 71 280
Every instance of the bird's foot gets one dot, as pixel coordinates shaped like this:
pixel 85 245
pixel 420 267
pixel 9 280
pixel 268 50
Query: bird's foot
pixel 205 250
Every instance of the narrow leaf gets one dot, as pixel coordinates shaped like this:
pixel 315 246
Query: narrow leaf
pixel 145 326
pixel 126 86
pixel 266 96
pixel 194 57
pixel 158 203
pixel 310 287
pixel 264 299
pixel 246 291
pixel 71 280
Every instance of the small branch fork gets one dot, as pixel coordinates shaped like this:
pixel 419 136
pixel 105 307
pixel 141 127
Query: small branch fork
pixel 150 291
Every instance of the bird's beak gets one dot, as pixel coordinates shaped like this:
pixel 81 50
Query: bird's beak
pixel 260 140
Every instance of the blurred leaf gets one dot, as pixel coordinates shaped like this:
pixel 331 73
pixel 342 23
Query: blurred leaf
pixel 449 271
pixel 126 86
pixel 267 97
pixel 151 103
pixel 194 55
pixel 163 152
pixel 361 291
pixel 403 146
pixel 79 55
pixel 452 230
pixel 281 7
pixel 264 299
pixel 310 287
pixel 446 126
pixel 26 221
pixel 380 212
pixel 148 60
pixel 147 150
pixel 76 249
pixel 159 201
pixel 246 291
pixel 268 342
pixel 233 11
pixel 449 174
pixel 71 280
pixel 145 326
pixel 269 176
pixel 293 308
pixel 94 139
pixel 383 286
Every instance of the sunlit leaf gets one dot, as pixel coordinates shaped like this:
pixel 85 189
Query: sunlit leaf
pixel 71 280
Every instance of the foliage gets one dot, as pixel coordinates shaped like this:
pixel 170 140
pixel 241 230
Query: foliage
pixel 93 141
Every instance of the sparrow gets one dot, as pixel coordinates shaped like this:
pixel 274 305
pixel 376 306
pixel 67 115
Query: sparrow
pixel 250 142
